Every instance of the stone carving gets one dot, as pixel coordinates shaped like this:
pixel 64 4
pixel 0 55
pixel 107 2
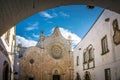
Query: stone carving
pixel 116 36
pixel 56 72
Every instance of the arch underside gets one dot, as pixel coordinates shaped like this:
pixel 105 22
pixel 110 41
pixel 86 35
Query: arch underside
pixel 12 12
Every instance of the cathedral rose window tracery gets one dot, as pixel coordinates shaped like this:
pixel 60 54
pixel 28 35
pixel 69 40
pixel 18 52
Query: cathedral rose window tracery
pixel 56 52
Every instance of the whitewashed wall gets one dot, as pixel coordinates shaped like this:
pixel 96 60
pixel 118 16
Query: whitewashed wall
pixel 111 59
pixel 10 46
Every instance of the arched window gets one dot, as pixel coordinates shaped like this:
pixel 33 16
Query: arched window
pixel 88 57
pixel 85 57
pixel 91 52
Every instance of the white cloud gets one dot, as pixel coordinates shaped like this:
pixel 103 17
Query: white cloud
pixel 25 42
pixel 35 35
pixel 32 26
pixel 45 14
pixel 75 38
pixel 64 14
pixel 53 14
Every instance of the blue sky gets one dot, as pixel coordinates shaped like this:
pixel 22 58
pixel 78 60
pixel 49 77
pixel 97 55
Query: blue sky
pixel 74 20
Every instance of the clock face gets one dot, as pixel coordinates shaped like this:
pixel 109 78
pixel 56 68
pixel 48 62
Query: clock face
pixel 56 52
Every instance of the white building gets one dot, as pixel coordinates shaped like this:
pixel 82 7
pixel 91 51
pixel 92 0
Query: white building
pixel 8 40
pixel 97 56
pixel 18 54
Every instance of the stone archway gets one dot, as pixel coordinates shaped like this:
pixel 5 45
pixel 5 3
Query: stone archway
pixel 5 71
pixel 57 73
pixel 12 12
pixel 31 78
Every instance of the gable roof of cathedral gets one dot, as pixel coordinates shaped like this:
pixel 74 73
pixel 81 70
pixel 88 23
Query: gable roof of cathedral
pixel 57 32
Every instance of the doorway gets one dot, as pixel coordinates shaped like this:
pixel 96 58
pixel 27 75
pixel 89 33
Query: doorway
pixel 87 76
pixel 56 77
pixel 31 78
pixel 5 71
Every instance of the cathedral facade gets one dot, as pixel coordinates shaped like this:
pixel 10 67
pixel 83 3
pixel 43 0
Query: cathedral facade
pixel 50 59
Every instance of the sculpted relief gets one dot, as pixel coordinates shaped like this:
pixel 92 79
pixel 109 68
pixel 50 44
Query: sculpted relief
pixel 116 36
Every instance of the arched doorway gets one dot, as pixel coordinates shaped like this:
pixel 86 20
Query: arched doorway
pixel 87 76
pixel 77 76
pixel 5 71
pixel 31 78
pixel 56 76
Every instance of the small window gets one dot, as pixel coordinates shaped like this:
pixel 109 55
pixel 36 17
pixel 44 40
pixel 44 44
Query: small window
pixel 107 74
pixel 104 45
pixel 77 60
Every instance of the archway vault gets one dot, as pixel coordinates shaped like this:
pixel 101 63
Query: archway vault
pixel 13 11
